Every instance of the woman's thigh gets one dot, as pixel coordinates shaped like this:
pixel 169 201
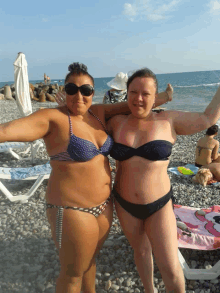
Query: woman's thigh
pixel 215 170
pixel 132 227
pixel 162 232
pixel 82 236
pixel 217 160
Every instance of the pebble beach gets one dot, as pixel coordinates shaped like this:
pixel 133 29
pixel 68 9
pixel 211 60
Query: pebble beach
pixel 28 257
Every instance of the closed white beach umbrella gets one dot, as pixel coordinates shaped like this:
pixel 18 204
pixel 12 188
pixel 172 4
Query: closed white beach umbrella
pixel 22 91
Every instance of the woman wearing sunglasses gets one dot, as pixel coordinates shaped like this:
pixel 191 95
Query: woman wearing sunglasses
pixel 79 206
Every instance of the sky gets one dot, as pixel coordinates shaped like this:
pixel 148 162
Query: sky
pixel 167 36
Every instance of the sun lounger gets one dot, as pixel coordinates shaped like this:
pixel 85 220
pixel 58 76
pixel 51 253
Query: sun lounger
pixel 10 146
pixel 198 229
pixel 37 173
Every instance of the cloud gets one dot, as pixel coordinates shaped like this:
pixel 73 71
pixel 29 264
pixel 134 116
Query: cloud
pixel 214 7
pixel 149 9
pixel 130 10
pixel 44 19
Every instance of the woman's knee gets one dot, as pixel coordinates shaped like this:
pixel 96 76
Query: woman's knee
pixel 141 249
pixel 142 253
pixel 65 281
pixel 171 272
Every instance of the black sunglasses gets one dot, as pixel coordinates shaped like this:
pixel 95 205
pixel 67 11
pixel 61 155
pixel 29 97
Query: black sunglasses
pixel 85 89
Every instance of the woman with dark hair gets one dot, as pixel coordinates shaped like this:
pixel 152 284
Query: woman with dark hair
pixel 79 205
pixel 207 155
pixel 142 189
pixel 207 148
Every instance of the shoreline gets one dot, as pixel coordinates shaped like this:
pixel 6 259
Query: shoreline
pixel 29 260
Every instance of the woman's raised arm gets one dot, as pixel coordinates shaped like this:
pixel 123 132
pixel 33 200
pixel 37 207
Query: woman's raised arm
pixel 186 123
pixel 28 128
pixel 122 108
pixel 112 110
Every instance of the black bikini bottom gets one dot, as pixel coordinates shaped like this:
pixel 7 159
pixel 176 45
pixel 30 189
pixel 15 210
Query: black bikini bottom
pixel 198 165
pixel 143 211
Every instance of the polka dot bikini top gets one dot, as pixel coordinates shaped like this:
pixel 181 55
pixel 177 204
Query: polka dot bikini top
pixel 82 150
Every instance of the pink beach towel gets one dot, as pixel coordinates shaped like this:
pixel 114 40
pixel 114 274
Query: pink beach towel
pixel 198 228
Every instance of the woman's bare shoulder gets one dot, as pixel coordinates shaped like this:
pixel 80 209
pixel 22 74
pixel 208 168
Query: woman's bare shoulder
pixel 164 115
pixel 118 118
pixel 50 112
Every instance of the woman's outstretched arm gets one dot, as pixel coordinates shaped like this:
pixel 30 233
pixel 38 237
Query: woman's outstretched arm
pixel 186 123
pixel 28 128
pixel 164 97
pixel 121 108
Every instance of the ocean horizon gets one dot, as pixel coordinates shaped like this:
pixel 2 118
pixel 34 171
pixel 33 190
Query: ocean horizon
pixel 192 90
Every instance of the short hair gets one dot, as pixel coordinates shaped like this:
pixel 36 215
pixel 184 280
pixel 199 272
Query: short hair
pixel 77 69
pixel 144 72
pixel 212 130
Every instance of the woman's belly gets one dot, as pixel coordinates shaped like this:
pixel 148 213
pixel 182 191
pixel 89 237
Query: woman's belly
pixel 83 184
pixel 142 181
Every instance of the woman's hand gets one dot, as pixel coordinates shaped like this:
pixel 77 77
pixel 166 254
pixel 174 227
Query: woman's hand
pixel 61 98
pixel 169 91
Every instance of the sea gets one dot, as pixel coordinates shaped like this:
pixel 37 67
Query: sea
pixel 192 90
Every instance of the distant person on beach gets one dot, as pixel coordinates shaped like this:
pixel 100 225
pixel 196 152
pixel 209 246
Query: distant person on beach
pixel 143 194
pixel 207 154
pixel 48 80
pixel 118 91
pixel 45 78
pixel 79 203
pixel 207 148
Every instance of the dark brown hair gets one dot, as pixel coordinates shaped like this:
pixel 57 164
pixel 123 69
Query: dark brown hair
pixel 77 68
pixel 144 72
pixel 212 130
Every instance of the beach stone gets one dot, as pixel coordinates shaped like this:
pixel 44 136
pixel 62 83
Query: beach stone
pixel 115 287
pixel 201 212
pixel 42 97
pixel 32 86
pixel 32 95
pixel 207 265
pixel 106 276
pixel 50 98
pixel 108 285
pixel 158 275
pixel 2 96
pixel 45 88
pixel 193 264
pixel 56 86
pixel 7 93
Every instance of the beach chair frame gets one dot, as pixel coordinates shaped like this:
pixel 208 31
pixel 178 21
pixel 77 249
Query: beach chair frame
pixel 34 146
pixel 199 274
pixel 5 174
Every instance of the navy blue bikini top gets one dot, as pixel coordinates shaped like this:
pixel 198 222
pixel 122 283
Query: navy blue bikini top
pixel 155 150
pixel 82 150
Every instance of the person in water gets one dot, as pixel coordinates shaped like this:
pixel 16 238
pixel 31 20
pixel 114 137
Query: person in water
pixel 142 190
pixel 78 197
